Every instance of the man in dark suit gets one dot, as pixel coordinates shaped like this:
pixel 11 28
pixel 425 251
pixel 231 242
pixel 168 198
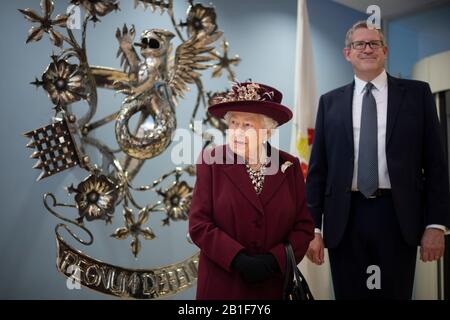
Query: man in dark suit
pixel 377 177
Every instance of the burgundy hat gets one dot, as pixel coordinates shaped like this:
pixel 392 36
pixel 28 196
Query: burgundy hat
pixel 254 98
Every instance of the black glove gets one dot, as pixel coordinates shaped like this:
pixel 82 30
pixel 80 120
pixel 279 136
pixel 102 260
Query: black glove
pixel 256 268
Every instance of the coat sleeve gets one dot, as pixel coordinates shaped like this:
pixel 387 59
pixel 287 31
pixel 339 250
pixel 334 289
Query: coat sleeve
pixel 303 229
pixel 317 170
pixel 435 167
pixel 216 244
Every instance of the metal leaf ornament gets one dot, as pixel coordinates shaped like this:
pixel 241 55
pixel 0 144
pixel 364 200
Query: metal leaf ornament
pixel 153 80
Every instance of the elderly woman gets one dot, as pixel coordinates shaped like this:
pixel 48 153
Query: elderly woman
pixel 248 201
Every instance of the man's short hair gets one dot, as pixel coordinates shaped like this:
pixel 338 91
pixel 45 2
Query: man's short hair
pixel 359 25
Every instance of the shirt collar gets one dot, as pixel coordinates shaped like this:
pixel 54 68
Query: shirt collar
pixel 379 82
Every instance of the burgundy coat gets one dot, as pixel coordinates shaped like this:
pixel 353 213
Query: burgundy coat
pixel 227 216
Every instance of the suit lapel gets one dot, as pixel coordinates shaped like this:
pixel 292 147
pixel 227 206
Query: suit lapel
pixel 272 181
pixel 236 172
pixel 347 115
pixel 271 186
pixel 395 97
pixel 239 177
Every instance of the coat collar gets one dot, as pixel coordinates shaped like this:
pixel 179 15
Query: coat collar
pixel 347 101
pixel 238 175
pixel 395 98
pixel 379 82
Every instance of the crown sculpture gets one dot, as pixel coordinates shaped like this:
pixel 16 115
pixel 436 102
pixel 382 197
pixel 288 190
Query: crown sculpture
pixel 153 82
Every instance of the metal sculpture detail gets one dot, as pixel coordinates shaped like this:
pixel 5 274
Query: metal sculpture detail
pixel 154 82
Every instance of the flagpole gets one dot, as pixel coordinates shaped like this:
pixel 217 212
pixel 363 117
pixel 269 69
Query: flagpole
pixel 305 109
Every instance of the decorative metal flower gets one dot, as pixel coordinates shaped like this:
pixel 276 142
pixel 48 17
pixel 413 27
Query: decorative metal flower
pixel 224 62
pixel 190 170
pixel 97 7
pixel 95 198
pixel 200 19
pixel 63 82
pixel 177 200
pixel 46 23
pixel 134 229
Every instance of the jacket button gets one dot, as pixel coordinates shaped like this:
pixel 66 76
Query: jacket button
pixel 348 190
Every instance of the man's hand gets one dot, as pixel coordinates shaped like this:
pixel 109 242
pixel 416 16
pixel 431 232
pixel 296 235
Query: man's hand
pixel 432 245
pixel 316 249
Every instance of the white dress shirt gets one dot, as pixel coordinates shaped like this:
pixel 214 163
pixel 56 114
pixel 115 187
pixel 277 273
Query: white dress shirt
pixel 380 93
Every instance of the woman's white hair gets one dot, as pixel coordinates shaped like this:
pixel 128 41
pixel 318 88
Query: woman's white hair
pixel 268 122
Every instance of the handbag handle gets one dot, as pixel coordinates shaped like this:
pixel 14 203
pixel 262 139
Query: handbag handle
pixel 292 270
pixel 287 285
pixel 297 275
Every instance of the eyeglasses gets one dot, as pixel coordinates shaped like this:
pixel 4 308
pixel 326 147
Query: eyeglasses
pixel 361 45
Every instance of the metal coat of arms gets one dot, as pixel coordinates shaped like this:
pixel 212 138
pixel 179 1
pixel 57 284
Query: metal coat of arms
pixel 153 81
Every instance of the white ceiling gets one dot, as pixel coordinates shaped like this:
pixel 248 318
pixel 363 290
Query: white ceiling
pixel 393 8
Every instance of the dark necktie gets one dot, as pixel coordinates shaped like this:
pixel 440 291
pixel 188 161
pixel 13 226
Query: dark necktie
pixel 368 145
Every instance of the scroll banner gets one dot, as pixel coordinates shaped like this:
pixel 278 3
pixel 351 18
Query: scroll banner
pixel 125 283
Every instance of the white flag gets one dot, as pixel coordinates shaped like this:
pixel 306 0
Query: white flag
pixel 318 277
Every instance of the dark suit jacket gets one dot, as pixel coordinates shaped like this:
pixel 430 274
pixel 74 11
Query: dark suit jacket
pixel 415 159
pixel 227 216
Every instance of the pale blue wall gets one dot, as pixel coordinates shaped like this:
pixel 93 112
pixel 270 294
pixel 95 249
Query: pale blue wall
pixel 329 23
pixel 417 36
pixel 262 32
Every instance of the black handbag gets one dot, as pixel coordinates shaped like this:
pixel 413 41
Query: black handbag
pixel 295 286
